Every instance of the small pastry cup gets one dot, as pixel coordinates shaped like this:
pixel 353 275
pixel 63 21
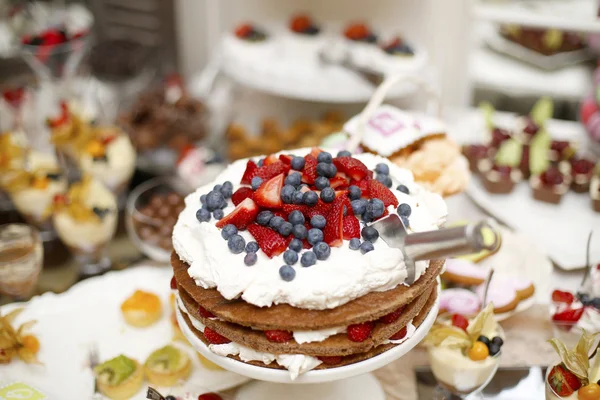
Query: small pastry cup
pixel 551 194
pixel 581 182
pixel 125 389
pixel 496 183
pixel 473 159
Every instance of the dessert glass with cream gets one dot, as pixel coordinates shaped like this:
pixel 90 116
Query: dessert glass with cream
pixel 21 255
pixel 464 354
pixel 85 219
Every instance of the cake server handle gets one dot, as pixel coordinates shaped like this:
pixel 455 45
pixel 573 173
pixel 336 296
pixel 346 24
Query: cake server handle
pixel 444 243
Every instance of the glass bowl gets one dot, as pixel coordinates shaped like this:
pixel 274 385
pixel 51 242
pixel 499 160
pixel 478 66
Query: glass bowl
pixel 151 213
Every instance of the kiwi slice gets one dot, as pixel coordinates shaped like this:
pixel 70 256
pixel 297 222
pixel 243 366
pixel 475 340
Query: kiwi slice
pixel 488 110
pixel 510 153
pixel 542 111
pixel 538 152
pixel 116 370
pixel 167 357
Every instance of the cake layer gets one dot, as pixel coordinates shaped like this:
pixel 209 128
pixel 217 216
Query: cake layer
pixel 351 359
pixel 285 317
pixel 336 345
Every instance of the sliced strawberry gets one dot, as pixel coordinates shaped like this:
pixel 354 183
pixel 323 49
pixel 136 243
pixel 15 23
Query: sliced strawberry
pixel 570 316
pixel 315 151
pixel 249 173
pixel 321 208
pixel 243 31
pixel 560 380
pixel 333 233
pixel 267 172
pixel 215 338
pixel 378 190
pixel 360 332
pixel 351 227
pixel 271 159
pixel 363 185
pixel 352 167
pixel 270 242
pixel 331 360
pixel 559 296
pixel 309 173
pixel 242 194
pixel 241 216
pixel 339 181
pixel 392 317
pixel 460 322
pixel 276 336
pixel 285 158
pixel 401 334
pixel 280 213
pixel 269 193
pixel 204 312
pixel 173 283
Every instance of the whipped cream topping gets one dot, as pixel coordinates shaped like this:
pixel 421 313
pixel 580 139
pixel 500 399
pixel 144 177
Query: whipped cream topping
pixel 345 275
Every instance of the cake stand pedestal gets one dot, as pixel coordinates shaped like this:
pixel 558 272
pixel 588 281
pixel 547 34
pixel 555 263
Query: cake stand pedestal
pixel 350 382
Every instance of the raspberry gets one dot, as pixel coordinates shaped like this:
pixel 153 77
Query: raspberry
pixel 215 338
pixel 360 332
pixel 559 296
pixel 399 335
pixel 204 312
pixel 392 317
pixel 279 336
pixel 460 322
pixel 331 360
pixel 173 283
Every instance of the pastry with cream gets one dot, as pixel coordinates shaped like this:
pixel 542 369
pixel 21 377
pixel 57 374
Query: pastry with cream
pixel 314 287
pixel 141 309
pixel 167 366
pixel 119 378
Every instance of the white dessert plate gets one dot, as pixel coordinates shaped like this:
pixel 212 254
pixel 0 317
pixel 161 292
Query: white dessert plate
pixel 89 313
pixel 314 376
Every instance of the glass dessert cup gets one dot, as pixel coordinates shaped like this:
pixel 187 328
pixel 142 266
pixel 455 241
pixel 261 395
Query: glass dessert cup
pixel 151 212
pixel 21 259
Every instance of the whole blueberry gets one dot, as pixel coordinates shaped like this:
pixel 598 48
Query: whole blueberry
pixel 294 179
pixel 310 198
pixel 321 182
pixel 494 349
pixel 385 179
pixel 264 217
pixel 228 230
pixel 375 208
pixel 296 217
pixel 405 221
pixel 382 168
pixel 584 298
pixel 226 191
pixel 596 303
pixel 203 199
pixel 300 231
pixel 324 157
pixel 217 188
pixel 276 222
pixel 250 259
pixel 287 273
pixel 287 194
pixel 404 209
pixel 298 163
pixel 218 214
pixel 403 189
pixel 331 170
pixel 369 233
pixel 366 247
pixel 170 397
pixel 498 341
pixel 318 221
pixel 290 257
pixel 344 153
pixel 298 197
pixel 228 185
pixel 296 245
pixel 323 169
pixel 309 258
pixel 261 162
pixel 322 250
pixel 251 247
pixel 214 200
pixel 285 229
pixel 314 236
pixel 354 192
pixel 256 182
pixel 359 206
pixel 354 244
pixel 367 217
pixel 236 244
pixel 328 195
pixel 203 215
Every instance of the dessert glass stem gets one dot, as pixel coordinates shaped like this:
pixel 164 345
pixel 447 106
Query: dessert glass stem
pixel 92 264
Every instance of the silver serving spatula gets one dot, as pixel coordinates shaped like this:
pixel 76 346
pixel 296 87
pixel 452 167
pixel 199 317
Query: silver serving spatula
pixel 431 245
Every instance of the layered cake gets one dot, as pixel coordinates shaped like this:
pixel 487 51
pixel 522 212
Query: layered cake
pixel 276 263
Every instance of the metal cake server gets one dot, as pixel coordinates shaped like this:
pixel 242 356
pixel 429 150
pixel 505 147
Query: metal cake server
pixel 431 245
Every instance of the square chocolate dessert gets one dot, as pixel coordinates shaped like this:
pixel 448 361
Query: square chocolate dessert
pixel 475 153
pixel 552 184
pixel 498 179
pixel 581 171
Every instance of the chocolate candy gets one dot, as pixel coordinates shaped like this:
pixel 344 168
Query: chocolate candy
pixel 159 216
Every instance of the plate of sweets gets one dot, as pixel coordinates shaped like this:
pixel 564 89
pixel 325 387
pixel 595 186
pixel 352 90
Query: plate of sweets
pixel 527 175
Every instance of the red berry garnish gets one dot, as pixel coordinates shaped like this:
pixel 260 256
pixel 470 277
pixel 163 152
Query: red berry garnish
pixel 242 194
pixel 14 97
pixel 551 177
pixel 401 334
pixel 277 336
pixel 582 166
pixel 571 315
pixel 269 241
pixel 531 127
pixel 563 381
pixel 251 168
pixel 243 31
pixel 559 296
pixel 351 227
pixel 503 170
pixel 351 167
pixel 333 233
pixel 204 313
pixel 392 317
pixel 271 159
pixel 173 283
pixel 499 136
pixel 215 338
pixel 356 31
pixel 269 193
pixel 559 145
pixel 476 151
pixel 460 322
pixel 243 215
pixel 360 332
pixel 267 172
pixel 378 190
pixel 309 173
pixel 331 360
pixel 209 396
pixel 300 23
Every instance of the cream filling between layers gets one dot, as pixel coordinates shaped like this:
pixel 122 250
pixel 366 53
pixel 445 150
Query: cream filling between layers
pixel 344 276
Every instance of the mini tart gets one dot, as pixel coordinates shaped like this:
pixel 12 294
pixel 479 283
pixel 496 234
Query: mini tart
pixel 167 366
pixel 561 150
pixel 581 180
pixel 494 181
pixel 554 193
pixel 595 193
pixel 123 389
pixel 141 309
pixel 475 153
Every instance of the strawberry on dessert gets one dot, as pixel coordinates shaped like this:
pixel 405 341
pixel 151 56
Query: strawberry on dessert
pixel 582 171
pixel 475 153
pixel 398 47
pixel 551 185
pixel 359 32
pixel 302 24
pixel 249 33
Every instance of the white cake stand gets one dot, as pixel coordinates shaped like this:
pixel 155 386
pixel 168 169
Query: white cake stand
pixel 349 382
